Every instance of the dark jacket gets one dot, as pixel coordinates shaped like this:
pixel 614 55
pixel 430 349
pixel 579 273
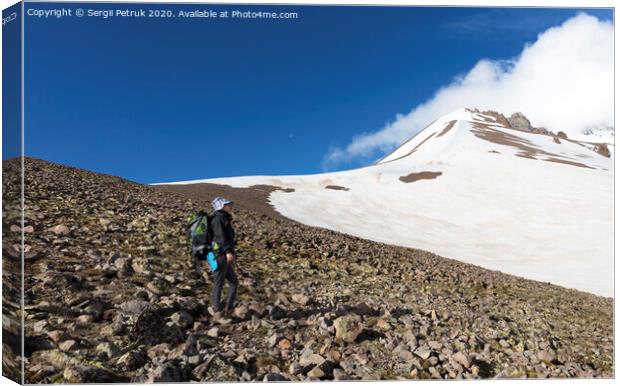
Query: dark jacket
pixel 223 232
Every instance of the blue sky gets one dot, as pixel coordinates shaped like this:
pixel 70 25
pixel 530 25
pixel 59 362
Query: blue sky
pixel 156 100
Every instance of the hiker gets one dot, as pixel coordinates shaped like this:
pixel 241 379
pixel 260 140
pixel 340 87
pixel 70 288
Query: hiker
pixel 224 250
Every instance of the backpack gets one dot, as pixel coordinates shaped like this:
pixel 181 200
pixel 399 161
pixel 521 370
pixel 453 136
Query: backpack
pixel 199 234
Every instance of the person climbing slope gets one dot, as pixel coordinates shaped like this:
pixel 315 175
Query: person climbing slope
pixel 224 250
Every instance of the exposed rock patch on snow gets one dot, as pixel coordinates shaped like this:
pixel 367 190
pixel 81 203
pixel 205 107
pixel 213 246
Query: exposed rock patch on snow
pixel 336 187
pixel 413 177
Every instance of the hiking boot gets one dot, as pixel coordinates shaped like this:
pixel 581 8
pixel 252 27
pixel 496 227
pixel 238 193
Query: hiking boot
pixel 219 318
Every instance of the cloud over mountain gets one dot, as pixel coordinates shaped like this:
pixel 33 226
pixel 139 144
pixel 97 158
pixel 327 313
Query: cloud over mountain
pixel 562 81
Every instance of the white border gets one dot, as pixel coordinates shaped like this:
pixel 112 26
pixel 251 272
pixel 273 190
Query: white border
pixel 459 3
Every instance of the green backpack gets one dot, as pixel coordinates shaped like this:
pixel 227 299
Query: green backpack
pixel 200 234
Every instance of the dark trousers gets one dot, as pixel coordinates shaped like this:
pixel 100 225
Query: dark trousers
pixel 224 271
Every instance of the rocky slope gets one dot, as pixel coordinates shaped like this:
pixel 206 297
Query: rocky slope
pixel 11 271
pixel 110 297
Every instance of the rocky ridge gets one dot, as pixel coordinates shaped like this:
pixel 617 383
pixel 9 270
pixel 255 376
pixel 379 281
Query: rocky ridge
pixel 110 297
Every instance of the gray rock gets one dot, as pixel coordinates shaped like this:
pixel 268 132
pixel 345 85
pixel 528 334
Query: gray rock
pixel 547 356
pixel 340 375
pixel 241 312
pixel 301 299
pixel 295 368
pixel 150 328
pixel 182 319
pixel 68 345
pixel 348 327
pixel 461 359
pixel 59 230
pixel 85 319
pixel 134 307
pixel 109 350
pixel 274 377
pixel 58 335
pixel 39 326
pixel 166 372
pixel 131 360
pixel 274 339
pixel 365 310
pixel 215 368
pixel 519 121
pixel 423 352
pixel 403 352
pixel 123 265
pixel 316 372
pixel 88 374
pixel 308 357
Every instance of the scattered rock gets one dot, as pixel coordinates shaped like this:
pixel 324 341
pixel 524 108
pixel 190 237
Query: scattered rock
pixel 422 352
pixel 59 230
pixel 348 327
pixel 461 359
pixel 364 309
pixel 150 328
pixel 274 377
pixel 109 350
pixel 90 374
pixel 68 345
pixel 131 360
pixel 308 357
pixel 316 372
pixel 216 367
pixel 182 319
pixel 274 339
pixel 166 372
pixel 85 319
pixel 134 307
pixel 301 299
pixel 58 336
pixel 284 344
pixel 547 356
pixel 241 312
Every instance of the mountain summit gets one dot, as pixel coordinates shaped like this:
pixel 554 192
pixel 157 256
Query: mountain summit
pixel 478 187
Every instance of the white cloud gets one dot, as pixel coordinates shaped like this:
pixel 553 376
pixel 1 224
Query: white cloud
pixel 563 81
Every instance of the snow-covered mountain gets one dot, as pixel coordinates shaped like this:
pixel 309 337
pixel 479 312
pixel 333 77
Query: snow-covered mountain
pixel 471 188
